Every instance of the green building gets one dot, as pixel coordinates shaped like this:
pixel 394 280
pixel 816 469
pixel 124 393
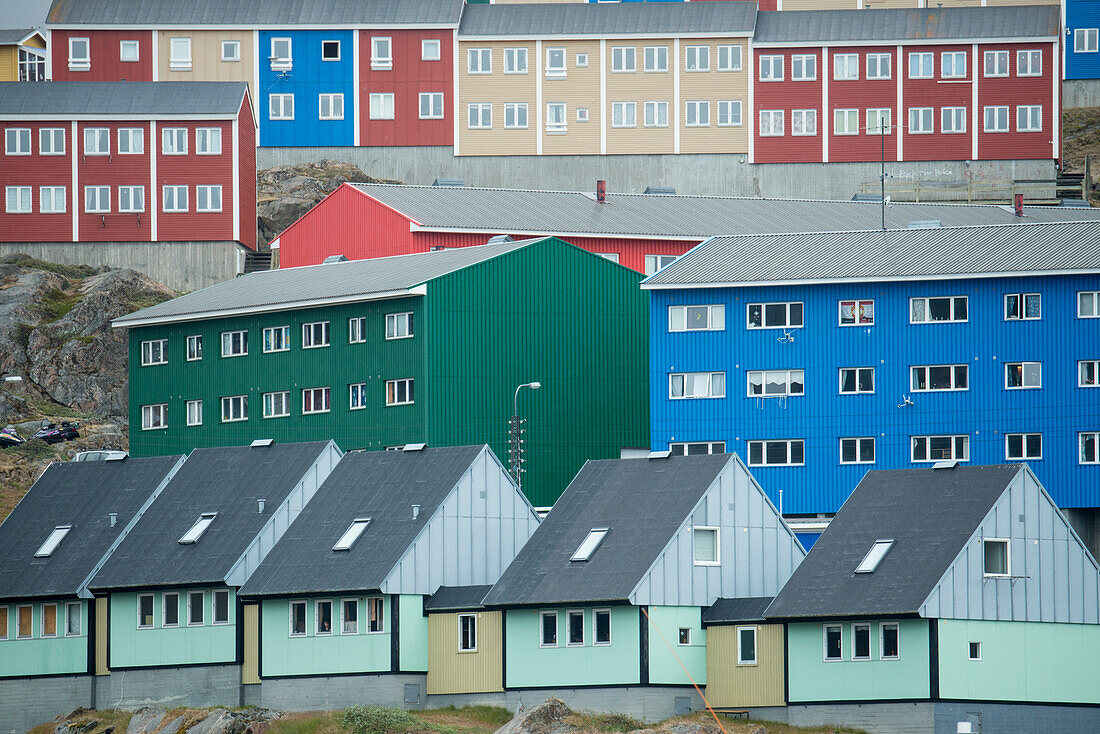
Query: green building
pixel 424 348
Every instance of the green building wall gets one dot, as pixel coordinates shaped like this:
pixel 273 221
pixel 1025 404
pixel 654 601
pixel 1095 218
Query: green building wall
pixel 38 655
pixel 132 647
pixel 667 657
pixel 313 654
pixel 811 678
pixel 412 633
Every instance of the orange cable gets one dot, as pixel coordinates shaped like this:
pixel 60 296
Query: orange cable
pixel 681 662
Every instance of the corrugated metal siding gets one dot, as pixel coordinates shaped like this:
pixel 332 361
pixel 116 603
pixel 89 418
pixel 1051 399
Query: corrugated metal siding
pixel 409 76
pixel 191 169
pixel 250 663
pixel 1012 91
pixel 733 685
pixel 42 170
pixel 116 170
pixel 451 671
pixel 246 161
pixel 786 95
pixel 103 53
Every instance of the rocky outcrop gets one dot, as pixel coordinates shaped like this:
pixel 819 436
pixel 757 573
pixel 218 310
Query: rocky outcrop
pixel 215 721
pixel 546 718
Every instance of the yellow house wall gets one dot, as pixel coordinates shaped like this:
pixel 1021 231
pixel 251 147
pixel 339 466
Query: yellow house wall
pixel 36 42
pixel 452 671
pixel 498 89
pixel 713 86
pixel 9 63
pixel 206 57
pixel 580 88
pixel 733 685
pixel 640 87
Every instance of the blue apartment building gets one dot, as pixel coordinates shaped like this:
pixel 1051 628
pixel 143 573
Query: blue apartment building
pixel 1081 44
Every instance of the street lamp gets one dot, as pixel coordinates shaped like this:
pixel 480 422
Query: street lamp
pixel 515 435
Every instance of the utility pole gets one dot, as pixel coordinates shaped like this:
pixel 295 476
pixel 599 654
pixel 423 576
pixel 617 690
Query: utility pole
pixel 515 436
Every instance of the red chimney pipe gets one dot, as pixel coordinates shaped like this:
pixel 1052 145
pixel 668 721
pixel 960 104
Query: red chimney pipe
pixel 601 191
pixel 1018 199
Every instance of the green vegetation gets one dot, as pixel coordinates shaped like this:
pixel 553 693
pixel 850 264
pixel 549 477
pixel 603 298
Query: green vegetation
pixel 71 272
pixel 374 719
pixel 55 304
pixel 496 715
pixel 605 722
pixel 97 722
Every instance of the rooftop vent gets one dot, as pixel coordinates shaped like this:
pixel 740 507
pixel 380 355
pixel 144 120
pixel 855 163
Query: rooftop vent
pixel 415 511
pixel 601 192
pixel 925 224
pixel 413 447
pixel 259 442
pixel 659 190
pixel 500 239
pixel 1018 204
pixel 448 182
pixel 660 454
pixel 261 505
pixel 946 464
pixel 112 517
pixel 335 259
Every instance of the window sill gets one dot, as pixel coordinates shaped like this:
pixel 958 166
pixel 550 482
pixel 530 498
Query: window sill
pixel 315 412
pixel 397 405
pixel 179 67
pixel 381 67
pixel 235 420
pixel 281 67
pixel 79 67
pixel 556 75
pixel 556 130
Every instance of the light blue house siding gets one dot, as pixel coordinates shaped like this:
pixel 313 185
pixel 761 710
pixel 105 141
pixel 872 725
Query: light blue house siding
pixel 308 77
pixel 317 653
pixel 984 412
pixel 159 645
pixel 676 658
pixel 1081 63
pixel 34 651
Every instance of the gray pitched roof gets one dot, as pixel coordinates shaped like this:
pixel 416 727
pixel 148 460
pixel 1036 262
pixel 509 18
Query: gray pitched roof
pixel 255 12
pixel 80 494
pixel 730 611
pixel 886 255
pixel 456 599
pixel 343 282
pixel 928 513
pixel 607 19
pixel 906 24
pixel 14 36
pixel 641 501
pixel 381 485
pixel 228 481
pixel 121 98
pixel 660 216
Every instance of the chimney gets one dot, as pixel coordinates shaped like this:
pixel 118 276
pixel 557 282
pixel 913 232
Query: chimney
pixel 112 517
pixel 261 503
pixel 1018 200
pixel 416 511
pixel 601 192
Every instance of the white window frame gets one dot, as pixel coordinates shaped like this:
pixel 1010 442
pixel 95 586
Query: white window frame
pixel 173 141
pixel 1023 368
pixel 696 58
pixel 357 396
pixel 858 445
pixel 80 62
pixel 804 68
pixel 918 116
pixel 955 440
pixel 279 61
pixel 68 615
pixel 953 370
pixel 470 617
pixel 298 604
pixel 357 329
pixel 276 339
pixel 741 659
pixel 1029 118
pixel 231 51
pixel 382 105
pixel 317 631
pixel 581 61
pixel 845 67
pixel 852 632
pixel 596 642
pixel 515 60
pixel 683 448
pixel 771 130
pixel 766 376
pixel 953 115
pixel 327 44
pixel 763 443
pixel 125 48
pixel 214 606
pixel 543 615
pixel 655 59
pixel 1029 62
pixel 624 59
pixel 410 396
pixel 1023 455
pixel 774 65
pixel 922 58
pixel 557 116
pixel 729 57
pixel 995 63
pixel 656 113
pixel 376 610
pixel 179 53
pixel 882 640
pixel 154 417
pixel 825 642
pixel 479 61
pixel 131 141
pixel 51 141
pixel 857 305
pixel 128 197
pixel 237 405
pixel 431 49
pixel 513 111
pixel 764 311
pixel 154 352
pixel 554 70
pixel 1084 368
pixel 310 395
pixel 970 650
pixel 280 106
pixel 570 614
pixel 1084 439
pixel 97 140
pixel 683 636
pixel 42 619
pixel 165 606
pixel 345 604
pixel 582 114
pixel 381 53
pixel 17 200
pixel 952 59
pixel 880 59
pixel 1093 297
pixel 880 120
pixel 1084 41
pixel 152 612
pixel 52 199
pixel 100 199
pixel 928 312
pixel 400 325
pixel 712 392
pixel 480 112
pixel 204 198
pixel 330 106
pixel 717 545
pixel 729 112
pixel 191 596
pixel 316 334
pixel 434 105
pixel 276 404
pixel 846 121
pixel 178 198
pixel 193 410
pixel 194 347
pixel 997 114
pixel 858 371
pixel 624 114
pixel 1008 558
pixel 804 123
pixel 714 316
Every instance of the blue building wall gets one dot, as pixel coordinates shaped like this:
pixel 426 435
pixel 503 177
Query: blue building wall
pixel 308 78
pixel 1057 410
pixel 1078 64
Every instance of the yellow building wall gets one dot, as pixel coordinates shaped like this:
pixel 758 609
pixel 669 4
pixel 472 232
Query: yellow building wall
pixel 206 57
pixel 36 42
pixel 498 89
pixel 9 63
pixel 453 671
pixel 730 685
pixel 250 665
pixel 579 89
pixel 102 633
pixel 713 86
pixel 640 87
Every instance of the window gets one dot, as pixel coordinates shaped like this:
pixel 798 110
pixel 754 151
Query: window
pixel 581 60
pixel 375 614
pixel 297 619
pixel 381 53
pixel 771 68
pixel 131 199
pixel 17 141
pixel 729 113
pixel 1023 375
pixel 276 404
pixel 430 50
pixel 623 114
pixel 729 57
pixel 770 383
pixel 996 119
pixel 920 65
pixel 194 412
pixel 995 557
pixel 683 636
pixel 857 450
pixel 145 612
pixel 953 120
pixel 975 651
pixel 856 313
pixel 1088 304
pixel 154 416
pixel 771 123
pixel 878 121
pixel 878 66
pixel 548 629
pixel 174 141
pixel 53 540
pixel 953 65
pixel 399 325
pixel 315 400
pixel 874 557
pixel 97 141
pixel 704 543
pixel 601 627
pixel 555 117
pixel 208 198
pixel 128 50
pixel 1088 443
pixel 777 453
pixel 1029 63
pixel 803 122
pixel 467 633
pixel 582 114
pixel 1084 41
pixel 803 67
pixel 888 640
pixel 357 329
pixel 653 263
pixel 857 380
pixel 515 61
pixel 221 606
pixel 170 609
pixel 622 59
pixel 775 315
pixel 131 141
pixel 845 67
pixel 72 619
pixel 179 54
pixel 574 623
pixel 234 408
pixel 208 141
pixel 196 608
pixel 920 120
pixel 231 50
pixel 697 58
pixel 831 634
pixel 1023 446
pixel 280 106
pixel 696 448
pixel 656 58
pixel 996 63
pixel 281 58
pixel 1088 373
pixel 381 105
pixel 846 122
pixel 276 339
pixel 555 63
pixel 399 392
pixel 23 622
pixel 931 378
pixel 315 334
pixel 154 351
pixel 175 198
pixel 685 385
pixel 861 642
pixel 480 61
pixel 1029 118
pixel 697 318
pixel 32 67
pixel 480 116
pixel 656 114
pixel 330 50
pixel 357 397
pixel 17 200
pixel 940 448
pixel 431 106
pixel 349 617
pixel 97 199
pixel 51 199
pixel 515 116
pixel 51 141
pixel 323 617
pixel 746 645
pixel 192 536
pixel 79 59
pixel 928 310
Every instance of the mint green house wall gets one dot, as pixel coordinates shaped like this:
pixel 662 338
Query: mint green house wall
pixel 313 654
pixel 208 643
pixel 412 633
pixel 1020 661
pixel 38 655
pixel 528 665
pixel 811 678
pixel 667 657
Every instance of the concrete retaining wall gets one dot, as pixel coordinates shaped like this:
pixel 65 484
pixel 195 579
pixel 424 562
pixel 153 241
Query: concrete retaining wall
pixel 987 718
pixel 1080 93
pixel 27 702
pixel 199 686
pixel 876 718
pixel 324 693
pixel 182 266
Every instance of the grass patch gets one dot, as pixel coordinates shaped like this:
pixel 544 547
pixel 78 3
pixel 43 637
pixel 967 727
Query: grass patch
pixel 375 719
pixel 54 305
pixel 496 715
pixel 22 334
pixel 109 720
pixel 324 722
pixel 605 722
pixel 72 272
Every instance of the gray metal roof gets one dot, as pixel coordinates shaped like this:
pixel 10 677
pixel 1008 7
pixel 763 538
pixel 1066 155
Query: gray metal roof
pixel 381 485
pixel 606 19
pixel 121 98
pixel 255 12
pixel 356 280
pixel 456 599
pixel 81 494
pixel 928 513
pixel 641 502
pixel 670 216
pixel 906 24
pixel 899 254
pixel 731 611
pixel 14 36
pixel 228 481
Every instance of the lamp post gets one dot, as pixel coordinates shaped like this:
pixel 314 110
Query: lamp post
pixel 515 435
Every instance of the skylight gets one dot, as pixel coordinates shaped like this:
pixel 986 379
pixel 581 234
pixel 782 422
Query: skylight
pixel 200 526
pixel 590 543
pixel 874 556
pixel 347 540
pixel 56 536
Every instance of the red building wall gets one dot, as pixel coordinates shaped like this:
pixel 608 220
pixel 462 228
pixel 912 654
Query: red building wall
pixel 37 170
pixel 937 93
pixel 113 170
pixel 246 173
pixel 786 95
pixel 103 52
pixel 196 170
pixel 1014 91
pixel 863 94
pixel 406 80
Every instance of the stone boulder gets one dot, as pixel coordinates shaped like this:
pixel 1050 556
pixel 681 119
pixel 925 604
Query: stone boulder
pixel 546 718
pixel 146 720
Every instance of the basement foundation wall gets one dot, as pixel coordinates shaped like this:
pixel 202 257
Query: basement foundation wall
pixel 28 702
pixel 325 693
pixel 198 686
pixel 1080 93
pixel 713 174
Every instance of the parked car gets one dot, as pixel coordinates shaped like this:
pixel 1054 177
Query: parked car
pixel 51 433
pixel 100 455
